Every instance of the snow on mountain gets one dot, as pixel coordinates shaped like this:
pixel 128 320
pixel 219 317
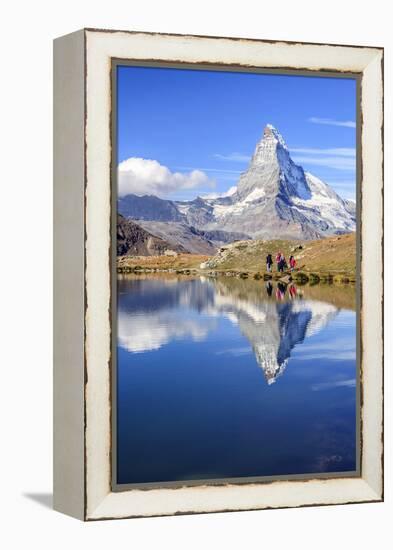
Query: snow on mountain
pixel 321 314
pixel 326 205
pixel 276 197
pixel 274 329
pixel 228 193
pixel 221 211
pixel 271 167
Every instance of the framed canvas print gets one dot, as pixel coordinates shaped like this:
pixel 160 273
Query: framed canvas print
pixel 218 274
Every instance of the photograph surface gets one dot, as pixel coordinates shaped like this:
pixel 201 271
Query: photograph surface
pixel 236 275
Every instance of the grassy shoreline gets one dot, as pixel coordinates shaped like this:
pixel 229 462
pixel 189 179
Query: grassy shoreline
pixel 330 260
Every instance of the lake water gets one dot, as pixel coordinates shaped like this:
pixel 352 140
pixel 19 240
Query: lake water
pixel 228 378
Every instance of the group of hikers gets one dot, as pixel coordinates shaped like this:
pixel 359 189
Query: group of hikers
pixel 283 285
pixel 281 262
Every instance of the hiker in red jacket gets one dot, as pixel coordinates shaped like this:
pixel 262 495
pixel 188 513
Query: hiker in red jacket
pixel 292 263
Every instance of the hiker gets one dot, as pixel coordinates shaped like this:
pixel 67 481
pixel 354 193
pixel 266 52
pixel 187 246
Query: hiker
pixel 269 263
pixel 278 259
pixel 292 263
pixel 269 288
pixel 282 264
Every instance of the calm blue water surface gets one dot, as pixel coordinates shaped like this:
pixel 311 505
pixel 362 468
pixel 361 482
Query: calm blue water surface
pixel 229 379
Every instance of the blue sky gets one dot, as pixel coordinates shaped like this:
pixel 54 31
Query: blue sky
pixel 199 128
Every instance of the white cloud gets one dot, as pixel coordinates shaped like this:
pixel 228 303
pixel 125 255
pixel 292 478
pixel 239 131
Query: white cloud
pixel 339 151
pixel 327 354
pixel 228 193
pixel 236 352
pixel 351 383
pixel 215 170
pixel 236 157
pixel 148 177
pixel 335 162
pixel 333 122
pixel 138 333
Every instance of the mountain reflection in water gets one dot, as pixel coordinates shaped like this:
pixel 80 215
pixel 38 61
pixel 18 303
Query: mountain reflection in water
pixel 274 317
pixel 196 364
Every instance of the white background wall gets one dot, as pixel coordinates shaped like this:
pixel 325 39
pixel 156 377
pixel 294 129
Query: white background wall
pixel 28 28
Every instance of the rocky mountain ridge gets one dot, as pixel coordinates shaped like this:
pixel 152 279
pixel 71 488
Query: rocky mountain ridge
pixel 133 240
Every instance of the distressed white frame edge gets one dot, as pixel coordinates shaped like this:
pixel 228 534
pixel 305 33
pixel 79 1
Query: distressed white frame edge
pixel 101 503
pixel 69 274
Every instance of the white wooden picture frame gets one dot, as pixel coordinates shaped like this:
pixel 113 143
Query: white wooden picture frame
pixel 82 270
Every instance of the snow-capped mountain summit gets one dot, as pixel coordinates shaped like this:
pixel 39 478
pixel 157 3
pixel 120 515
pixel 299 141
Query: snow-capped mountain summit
pixel 272 169
pixel 266 148
pixel 274 198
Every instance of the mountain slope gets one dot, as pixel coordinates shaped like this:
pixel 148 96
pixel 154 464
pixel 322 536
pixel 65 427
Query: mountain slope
pixel 148 207
pixel 183 235
pixel 334 254
pixel 133 240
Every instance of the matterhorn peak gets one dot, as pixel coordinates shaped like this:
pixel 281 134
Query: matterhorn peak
pixel 268 146
pixel 271 132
